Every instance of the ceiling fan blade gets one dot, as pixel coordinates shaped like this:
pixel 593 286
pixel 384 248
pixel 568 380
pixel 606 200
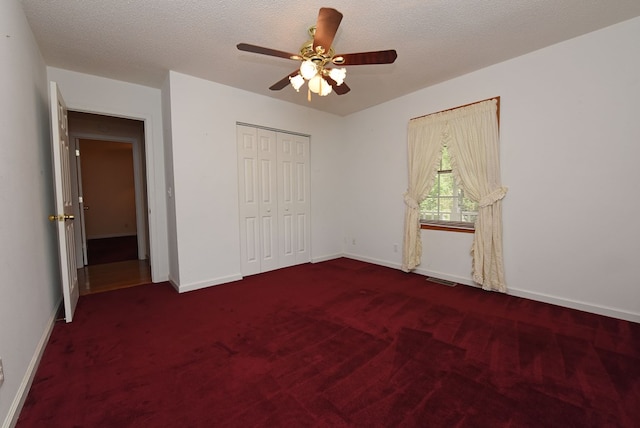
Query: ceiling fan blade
pixel 266 51
pixel 340 90
pixel 362 58
pixel 282 83
pixel 326 28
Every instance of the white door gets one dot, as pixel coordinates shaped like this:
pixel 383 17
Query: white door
pixel 302 201
pixel 293 195
pixel 286 189
pixel 258 203
pixel 273 184
pixel 249 200
pixel 268 179
pixel 63 217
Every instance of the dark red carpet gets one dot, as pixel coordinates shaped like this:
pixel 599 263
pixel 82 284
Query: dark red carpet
pixel 334 344
pixel 111 250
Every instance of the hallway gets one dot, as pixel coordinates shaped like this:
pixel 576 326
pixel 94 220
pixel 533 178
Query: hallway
pixel 113 276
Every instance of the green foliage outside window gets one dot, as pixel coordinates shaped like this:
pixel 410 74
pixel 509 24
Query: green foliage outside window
pixel 446 202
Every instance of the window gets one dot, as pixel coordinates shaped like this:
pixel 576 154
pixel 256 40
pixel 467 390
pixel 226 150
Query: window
pixel 446 207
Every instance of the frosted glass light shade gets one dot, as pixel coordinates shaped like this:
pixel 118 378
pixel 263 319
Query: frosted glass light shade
pixel 319 86
pixel 297 81
pixel 338 74
pixel 315 84
pixel 325 88
pixel 308 69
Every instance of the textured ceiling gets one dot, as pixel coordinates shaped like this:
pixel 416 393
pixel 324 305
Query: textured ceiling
pixel 436 40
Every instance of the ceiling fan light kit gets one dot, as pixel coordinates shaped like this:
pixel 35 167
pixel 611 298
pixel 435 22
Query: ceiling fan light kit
pixel 316 53
pixel 308 69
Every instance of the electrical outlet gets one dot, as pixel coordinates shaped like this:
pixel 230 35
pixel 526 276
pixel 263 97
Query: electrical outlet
pixel 395 248
pixel 353 241
pixel 1 372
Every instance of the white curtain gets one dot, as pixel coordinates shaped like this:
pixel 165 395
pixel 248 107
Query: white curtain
pixel 471 135
pixel 424 147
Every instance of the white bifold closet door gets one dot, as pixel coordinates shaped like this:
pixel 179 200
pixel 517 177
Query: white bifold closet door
pixel 273 174
pixel 293 199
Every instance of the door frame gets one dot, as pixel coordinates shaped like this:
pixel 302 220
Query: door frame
pixel 154 237
pixel 139 190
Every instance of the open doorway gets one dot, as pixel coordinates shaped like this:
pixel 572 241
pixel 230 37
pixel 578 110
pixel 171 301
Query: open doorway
pixel 106 175
pixel 109 185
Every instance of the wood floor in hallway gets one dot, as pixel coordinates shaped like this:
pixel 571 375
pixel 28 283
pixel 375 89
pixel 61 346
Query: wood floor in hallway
pixel 113 276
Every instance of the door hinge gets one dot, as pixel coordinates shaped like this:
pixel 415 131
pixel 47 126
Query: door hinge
pixel 80 200
pixel 77 152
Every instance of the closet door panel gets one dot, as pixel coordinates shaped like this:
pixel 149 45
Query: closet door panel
pixel 286 196
pixel 249 200
pixel 301 201
pixel 268 166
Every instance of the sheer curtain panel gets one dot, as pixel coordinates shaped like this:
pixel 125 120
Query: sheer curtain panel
pixel 425 149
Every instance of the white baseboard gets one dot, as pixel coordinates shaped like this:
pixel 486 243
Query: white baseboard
pixel 378 262
pixel 23 390
pixel 326 258
pixel 452 278
pixel 174 283
pixel 574 304
pixel 538 297
pixel 183 288
pixel 420 271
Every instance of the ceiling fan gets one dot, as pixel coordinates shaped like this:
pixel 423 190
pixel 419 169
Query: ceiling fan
pixel 317 53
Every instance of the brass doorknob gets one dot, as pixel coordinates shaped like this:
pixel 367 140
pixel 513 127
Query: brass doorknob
pixel 61 217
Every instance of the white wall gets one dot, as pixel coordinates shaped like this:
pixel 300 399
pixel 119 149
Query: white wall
pixel 203 134
pixel 93 94
pixel 570 149
pixel 30 286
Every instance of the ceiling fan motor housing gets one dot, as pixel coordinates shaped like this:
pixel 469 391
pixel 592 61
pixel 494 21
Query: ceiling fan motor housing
pixel 319 56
